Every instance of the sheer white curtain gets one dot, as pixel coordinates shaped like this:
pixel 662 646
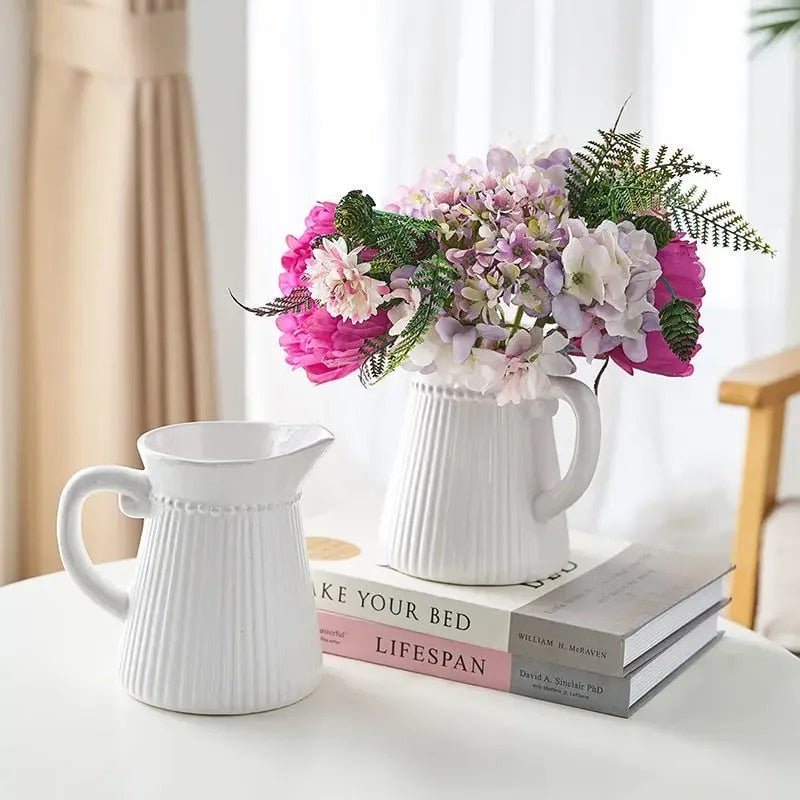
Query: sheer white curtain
pixel 354 94
pixel 772 292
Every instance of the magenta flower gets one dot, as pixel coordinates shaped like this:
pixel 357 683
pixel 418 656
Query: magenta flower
pixel 319 222
pixel 684 272
pixel 326 347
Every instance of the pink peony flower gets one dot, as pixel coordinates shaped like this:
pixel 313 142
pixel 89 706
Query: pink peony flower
pixel 338 280
pixel 681 267
pixel 327 347
pixel 319 222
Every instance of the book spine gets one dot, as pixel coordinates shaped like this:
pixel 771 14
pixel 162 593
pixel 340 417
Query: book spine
pixel 399 648
pixel 568 645
pixel 421 612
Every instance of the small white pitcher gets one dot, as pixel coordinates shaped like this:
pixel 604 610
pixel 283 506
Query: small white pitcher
pixel 476 496
pixel 220 618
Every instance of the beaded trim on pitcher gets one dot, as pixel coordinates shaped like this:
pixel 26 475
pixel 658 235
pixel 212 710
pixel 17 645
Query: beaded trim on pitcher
pixel 543 406
pixel 190 507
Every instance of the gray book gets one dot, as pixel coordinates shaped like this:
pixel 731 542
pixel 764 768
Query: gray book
pixel 608 694
pixel 609 606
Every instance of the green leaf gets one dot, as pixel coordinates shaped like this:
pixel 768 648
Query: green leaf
pixel 399 239
pixel 680 327
pixel 658 227
pixel 718 224
pixel 354 218
pixel 404 240
pixel 375 355
pixel 435 280
pixel 616 178
pixel 775 23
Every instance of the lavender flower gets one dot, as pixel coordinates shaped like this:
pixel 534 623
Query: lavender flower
pixel 516 245
pixel 504 226
pixel 463 337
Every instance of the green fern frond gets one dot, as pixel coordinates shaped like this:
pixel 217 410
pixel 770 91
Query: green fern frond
pixel 668 166
pixel 296 301
pixel 404 240
pixel 398 239
pixel 633 181
pixel 693 198
pixel 615 178
pixel 435 280
pixel 375 358
pixel 588 164
pixel 719 225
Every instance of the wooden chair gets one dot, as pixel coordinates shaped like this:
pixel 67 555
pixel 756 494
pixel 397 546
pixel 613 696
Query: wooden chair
pixel 764 387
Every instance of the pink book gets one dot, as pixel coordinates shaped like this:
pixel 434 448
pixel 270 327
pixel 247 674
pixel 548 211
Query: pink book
pixel 388 646
pixel 415 652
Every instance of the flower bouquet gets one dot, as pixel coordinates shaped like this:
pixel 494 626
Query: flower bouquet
pixel 488 279
pixel 497 274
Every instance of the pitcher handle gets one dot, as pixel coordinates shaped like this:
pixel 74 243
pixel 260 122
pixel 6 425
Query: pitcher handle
pixel 133 487
pixel 587 450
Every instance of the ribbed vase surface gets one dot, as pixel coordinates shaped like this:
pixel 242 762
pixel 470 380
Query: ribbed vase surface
pixel 220 618
pixel 222 610
pixel 476 496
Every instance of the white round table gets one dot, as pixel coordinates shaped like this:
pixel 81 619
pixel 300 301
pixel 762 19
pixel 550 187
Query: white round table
pixel 728 727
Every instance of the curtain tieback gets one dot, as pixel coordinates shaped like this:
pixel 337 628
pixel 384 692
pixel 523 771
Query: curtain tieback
pixel 104 41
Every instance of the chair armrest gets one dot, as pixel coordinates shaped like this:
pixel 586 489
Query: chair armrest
pixel 765 382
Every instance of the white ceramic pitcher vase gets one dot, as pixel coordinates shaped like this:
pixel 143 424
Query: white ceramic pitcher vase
pixel 476 496
pixel 220 617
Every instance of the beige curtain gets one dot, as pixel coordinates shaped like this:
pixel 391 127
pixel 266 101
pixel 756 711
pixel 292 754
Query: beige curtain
pixel 115 320
pixel 14 63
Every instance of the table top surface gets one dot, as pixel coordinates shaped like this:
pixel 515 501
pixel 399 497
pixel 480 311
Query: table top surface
pixel 727 727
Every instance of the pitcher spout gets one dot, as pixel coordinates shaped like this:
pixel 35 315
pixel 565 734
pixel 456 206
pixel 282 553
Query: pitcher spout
pixel 313 442
pixel 231 463
pixel 297 449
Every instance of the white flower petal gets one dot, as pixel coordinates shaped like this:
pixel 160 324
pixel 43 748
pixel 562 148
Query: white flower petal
pixel 518 344
pixel 556 364
pixel 554 342
pixel 636 350
pixel 590 342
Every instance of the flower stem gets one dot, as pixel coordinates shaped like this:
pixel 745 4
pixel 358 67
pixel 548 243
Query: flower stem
pixel 517 324
pixel 600 375
pixel 668 285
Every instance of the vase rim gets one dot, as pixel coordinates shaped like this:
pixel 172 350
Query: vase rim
pixel 451 391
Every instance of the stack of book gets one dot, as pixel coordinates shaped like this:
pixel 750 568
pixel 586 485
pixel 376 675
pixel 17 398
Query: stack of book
pixel 604 634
